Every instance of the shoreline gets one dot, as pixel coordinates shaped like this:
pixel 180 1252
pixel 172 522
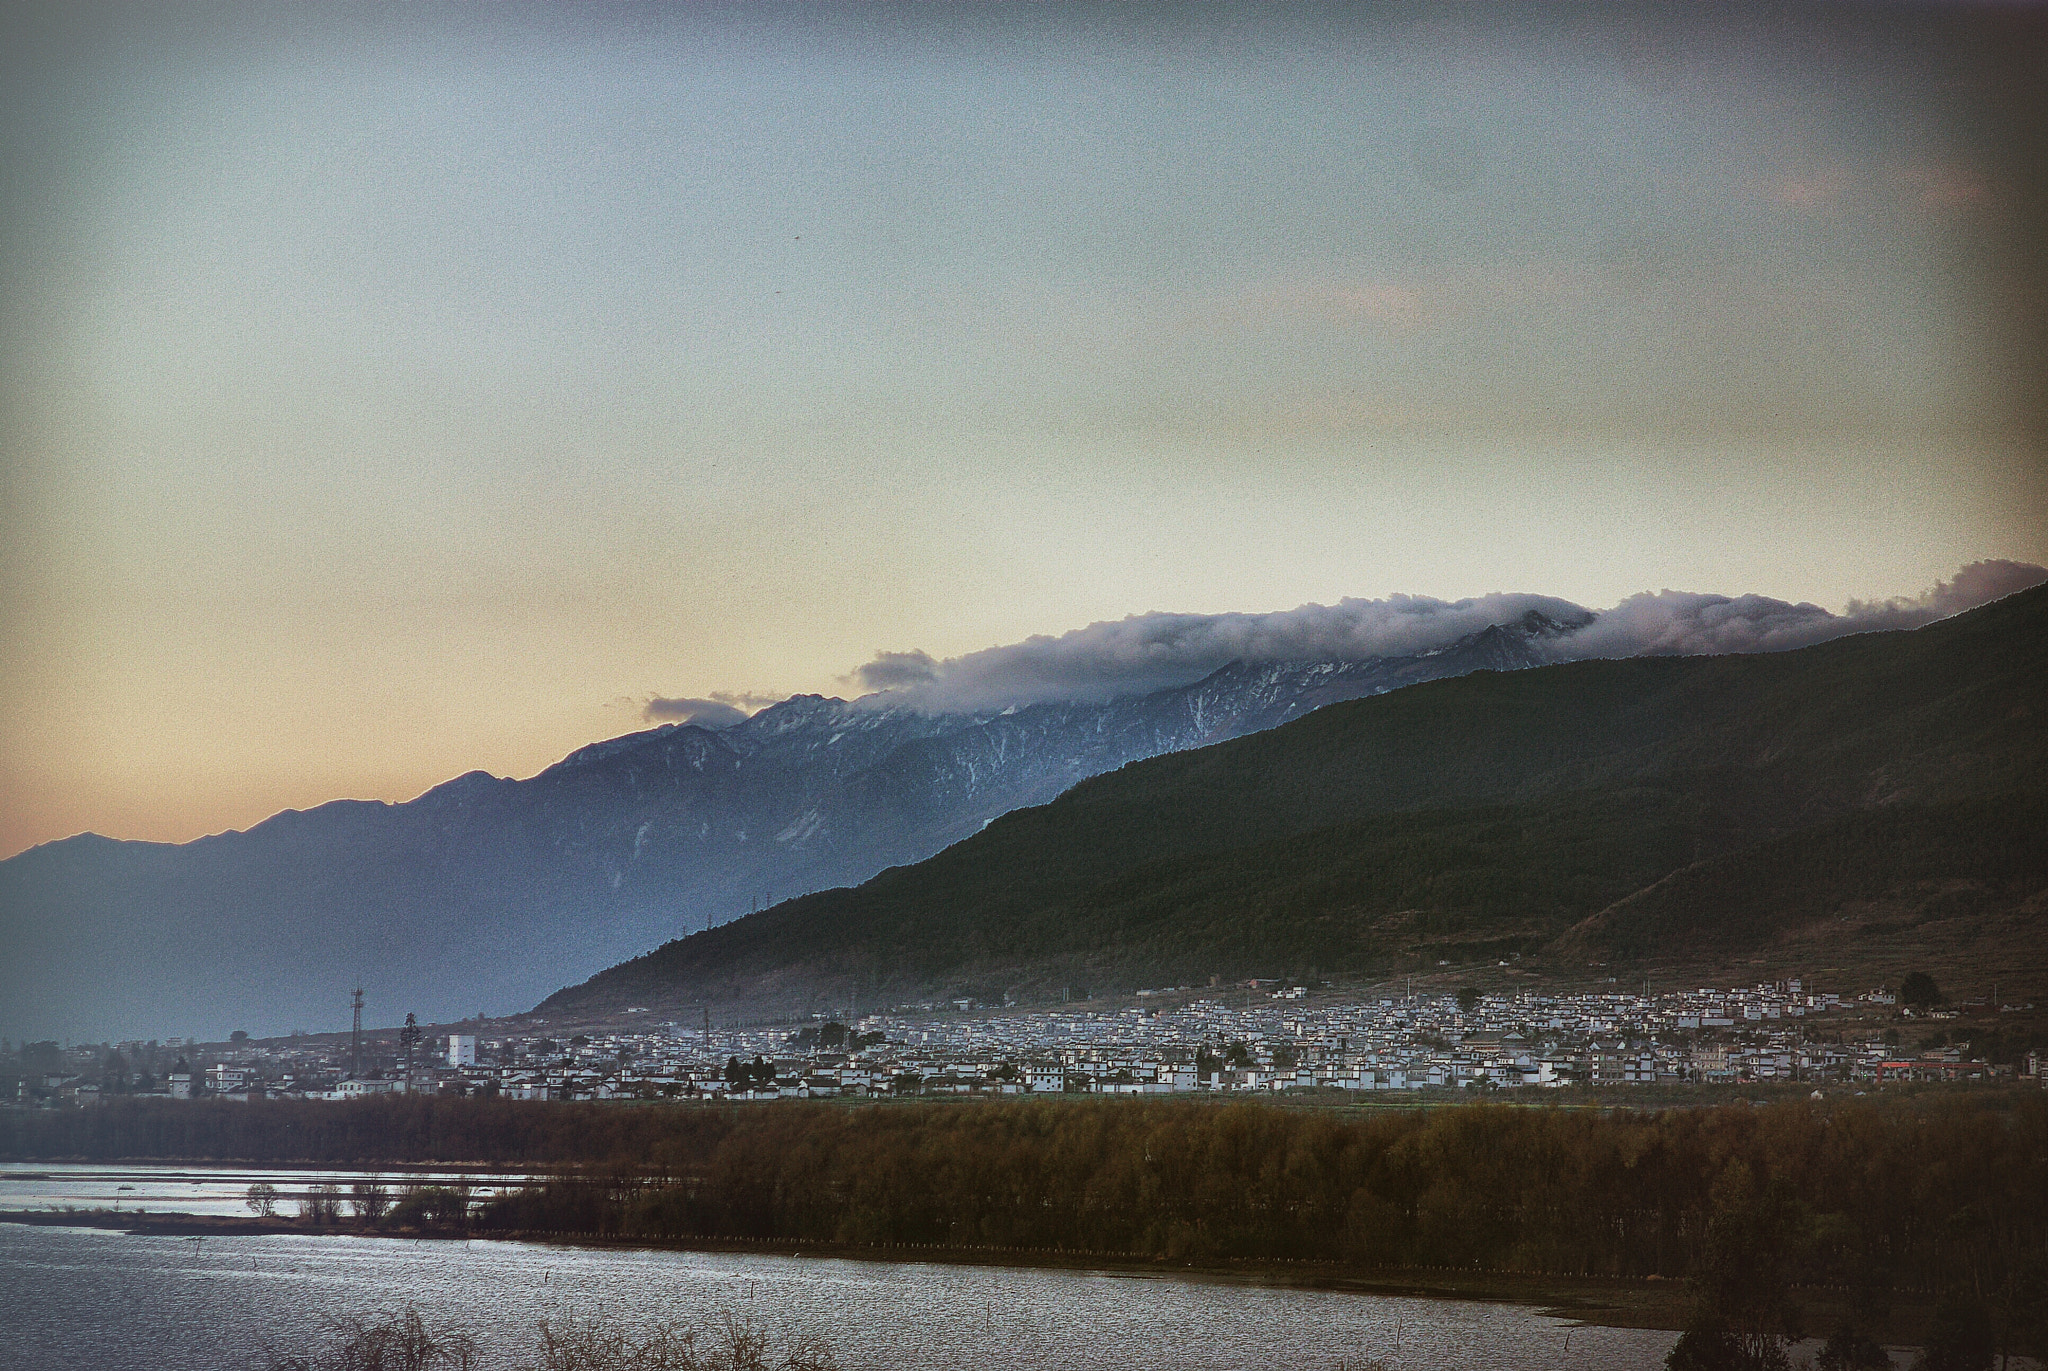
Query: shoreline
pixel 1598 1300
pixel 242 1163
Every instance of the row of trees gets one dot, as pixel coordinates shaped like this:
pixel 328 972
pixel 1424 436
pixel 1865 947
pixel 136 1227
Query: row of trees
pixel 1944 1197
pixel 369 1203
pixel 1943 1192
pixel 1932 1186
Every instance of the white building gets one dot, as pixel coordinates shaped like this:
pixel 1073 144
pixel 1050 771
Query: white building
pixel 462 1049
pixel 353 1089
pixel 1051 1079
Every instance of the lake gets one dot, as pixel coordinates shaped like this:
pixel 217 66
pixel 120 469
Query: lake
pixel 114 1302
pixel 220 1190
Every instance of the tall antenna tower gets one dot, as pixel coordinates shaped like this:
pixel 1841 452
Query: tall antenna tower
pixel 355 1041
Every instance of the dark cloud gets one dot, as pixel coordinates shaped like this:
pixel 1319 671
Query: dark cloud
pixel 713 713
pixel 1150 651
pixel 896 670
pixel 1677 623
pixel 1686 623
pixel 1979 583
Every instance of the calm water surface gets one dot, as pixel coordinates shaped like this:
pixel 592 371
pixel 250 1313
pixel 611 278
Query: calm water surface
pixel 203 1190
pixel 78 1297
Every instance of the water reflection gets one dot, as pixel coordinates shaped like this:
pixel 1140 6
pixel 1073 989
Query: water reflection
pixel 207 1190
pixel 114 1302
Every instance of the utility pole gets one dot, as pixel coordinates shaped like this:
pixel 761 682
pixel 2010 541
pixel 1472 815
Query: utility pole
pixel 355 1040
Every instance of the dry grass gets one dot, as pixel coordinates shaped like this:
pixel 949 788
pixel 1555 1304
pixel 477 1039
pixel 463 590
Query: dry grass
pixel 401 1341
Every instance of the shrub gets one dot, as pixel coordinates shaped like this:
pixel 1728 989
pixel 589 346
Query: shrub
pixel 402 1341
pixel 387 1342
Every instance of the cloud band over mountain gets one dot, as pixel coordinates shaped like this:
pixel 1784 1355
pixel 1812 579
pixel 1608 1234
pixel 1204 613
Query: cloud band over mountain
pixel 721 709
pixel 1151 651
pixel 708 713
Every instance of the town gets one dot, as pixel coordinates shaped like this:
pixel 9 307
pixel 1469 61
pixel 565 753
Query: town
pixel 1262 1036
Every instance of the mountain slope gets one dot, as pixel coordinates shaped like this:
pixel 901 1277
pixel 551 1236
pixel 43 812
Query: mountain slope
pixel 487 893
pixel 1960 866
pixel 1488 810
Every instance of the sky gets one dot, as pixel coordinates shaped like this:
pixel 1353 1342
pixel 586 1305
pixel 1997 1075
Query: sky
pixel 392 391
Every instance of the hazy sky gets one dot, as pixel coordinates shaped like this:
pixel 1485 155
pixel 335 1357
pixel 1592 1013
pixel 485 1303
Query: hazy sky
pixel 393 391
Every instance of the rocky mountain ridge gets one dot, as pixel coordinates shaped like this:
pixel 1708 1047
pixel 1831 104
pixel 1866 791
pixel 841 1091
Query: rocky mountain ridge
pixel 486 893
pixel 1868 803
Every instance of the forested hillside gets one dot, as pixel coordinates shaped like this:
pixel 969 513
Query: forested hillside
pixel 1464 818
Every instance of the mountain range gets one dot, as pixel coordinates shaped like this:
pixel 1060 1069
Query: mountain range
pixel 486 894
pixel 1869 805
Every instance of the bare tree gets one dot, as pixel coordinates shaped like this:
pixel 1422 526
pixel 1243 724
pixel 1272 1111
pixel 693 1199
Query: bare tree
pixel 321 1204
pixel 261 1199
pixel 369 1199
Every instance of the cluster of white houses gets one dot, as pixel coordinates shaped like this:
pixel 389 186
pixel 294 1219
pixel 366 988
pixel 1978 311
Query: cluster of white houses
pixel 1262 1038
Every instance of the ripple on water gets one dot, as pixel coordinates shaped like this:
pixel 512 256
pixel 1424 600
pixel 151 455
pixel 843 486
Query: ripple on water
pixel 82 1297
